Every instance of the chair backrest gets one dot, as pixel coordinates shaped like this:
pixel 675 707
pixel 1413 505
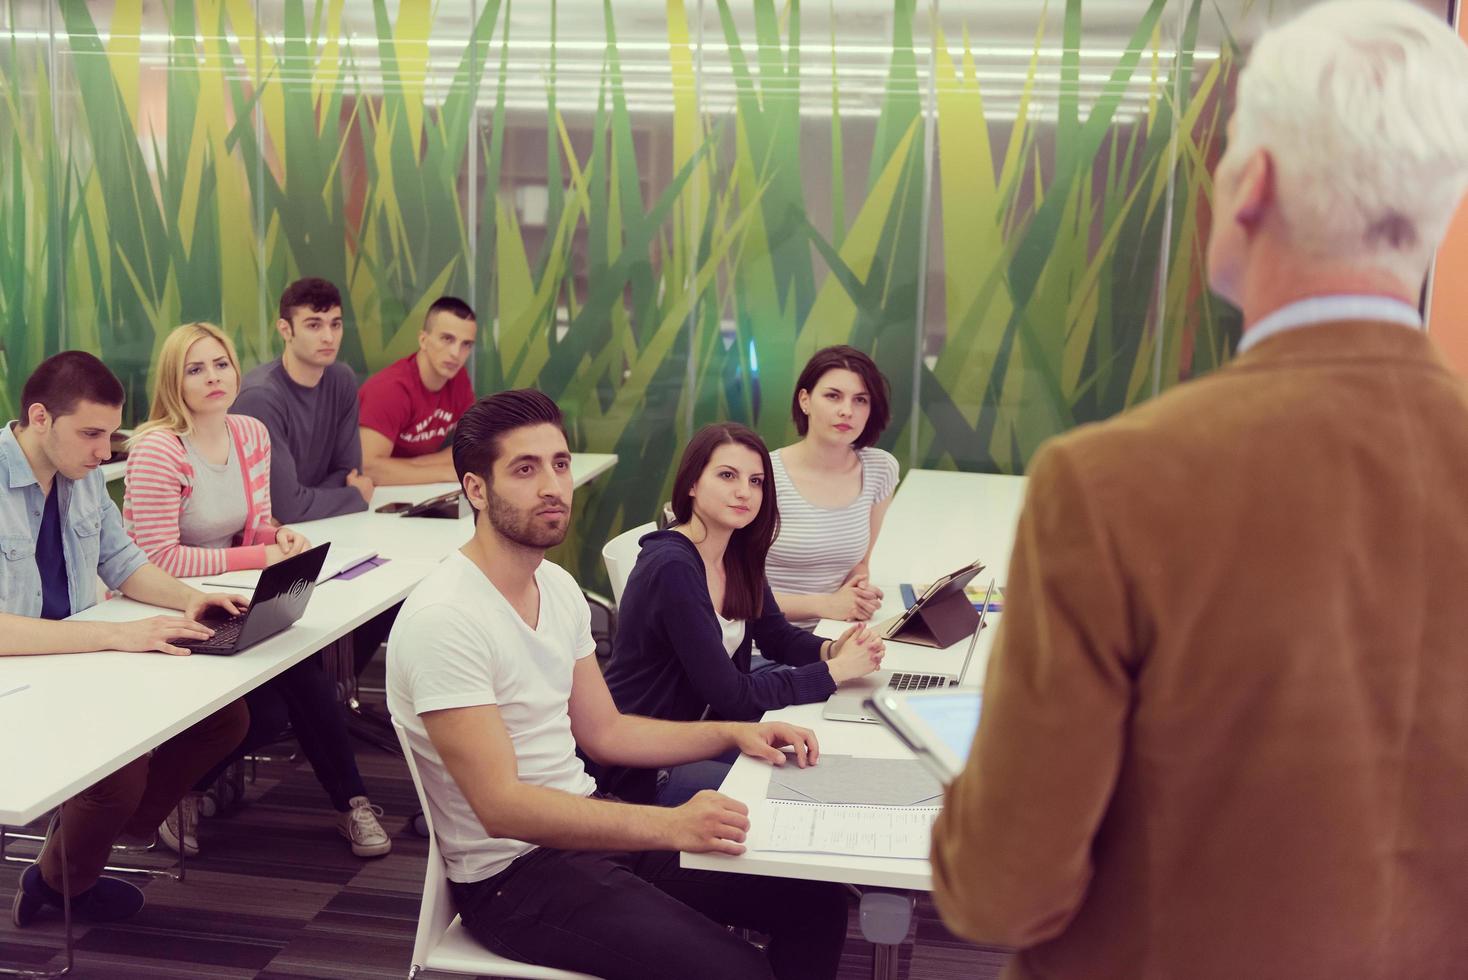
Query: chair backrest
pixel 620 554
pixel 437 911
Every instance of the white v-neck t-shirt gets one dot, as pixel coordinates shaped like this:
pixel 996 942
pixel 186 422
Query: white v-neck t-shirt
pixel 458 643
pixel 733 630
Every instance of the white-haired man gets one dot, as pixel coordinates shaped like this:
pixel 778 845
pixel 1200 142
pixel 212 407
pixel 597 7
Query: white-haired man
pixel 1223 731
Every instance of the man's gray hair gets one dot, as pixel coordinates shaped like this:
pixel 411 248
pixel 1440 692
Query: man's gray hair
pixel 1363 105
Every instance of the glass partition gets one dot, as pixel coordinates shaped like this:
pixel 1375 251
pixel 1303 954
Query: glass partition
pixel 659 210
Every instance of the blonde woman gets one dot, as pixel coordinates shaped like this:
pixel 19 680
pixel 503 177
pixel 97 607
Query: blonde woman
pixel 198 478
pixel 197 501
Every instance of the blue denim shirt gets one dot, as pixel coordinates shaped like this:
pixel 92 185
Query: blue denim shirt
pixel 92 536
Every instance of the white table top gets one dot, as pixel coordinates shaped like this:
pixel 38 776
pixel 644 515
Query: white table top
pixel 133 702
pixel 748 781
pixel 584 468
pixel 427 538
pixel 941 520
pixel 119 705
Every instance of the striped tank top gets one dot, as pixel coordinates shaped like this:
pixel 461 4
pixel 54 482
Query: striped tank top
pixel 819 546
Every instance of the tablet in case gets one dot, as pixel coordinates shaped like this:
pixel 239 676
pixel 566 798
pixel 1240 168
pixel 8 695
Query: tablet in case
pixel 943 614
pixel 451 505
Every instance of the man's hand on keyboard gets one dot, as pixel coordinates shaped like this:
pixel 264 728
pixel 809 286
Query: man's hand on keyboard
pixel 153 633
pixel 216 604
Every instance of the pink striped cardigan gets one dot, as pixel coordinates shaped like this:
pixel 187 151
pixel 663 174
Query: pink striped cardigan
pixel 160 478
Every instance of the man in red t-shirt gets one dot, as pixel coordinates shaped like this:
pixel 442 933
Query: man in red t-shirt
pixel 409 408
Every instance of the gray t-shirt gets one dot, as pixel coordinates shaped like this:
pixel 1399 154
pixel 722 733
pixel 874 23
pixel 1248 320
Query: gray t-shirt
pixel 216 509
pixel 313 440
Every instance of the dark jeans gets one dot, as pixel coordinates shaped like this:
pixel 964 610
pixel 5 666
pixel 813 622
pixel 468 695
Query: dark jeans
pixel 305 698
pixel 135 799
pixel 685 781
pixel 367 638
pixel 640 916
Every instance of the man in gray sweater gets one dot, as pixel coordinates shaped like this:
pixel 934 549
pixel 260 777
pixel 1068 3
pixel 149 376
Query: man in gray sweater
pixel 308 402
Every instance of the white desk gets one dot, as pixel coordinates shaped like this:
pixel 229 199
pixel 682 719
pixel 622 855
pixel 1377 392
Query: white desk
pixel 118 706
pixel 748 781
pixel 129 703
pixel 584 468
pixel 941 520
pixel 427 538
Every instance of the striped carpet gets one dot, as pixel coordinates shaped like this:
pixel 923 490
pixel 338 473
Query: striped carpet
pixel 277 895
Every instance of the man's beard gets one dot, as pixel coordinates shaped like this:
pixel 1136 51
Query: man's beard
pixel 518 526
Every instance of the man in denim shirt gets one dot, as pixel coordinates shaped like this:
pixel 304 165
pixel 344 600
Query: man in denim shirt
pixel 59 531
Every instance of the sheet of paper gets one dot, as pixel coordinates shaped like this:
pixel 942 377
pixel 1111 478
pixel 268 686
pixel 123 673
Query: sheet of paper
pixel 853 779
pixel 820 828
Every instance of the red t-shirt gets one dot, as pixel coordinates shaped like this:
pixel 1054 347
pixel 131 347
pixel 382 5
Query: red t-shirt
pixel 395 403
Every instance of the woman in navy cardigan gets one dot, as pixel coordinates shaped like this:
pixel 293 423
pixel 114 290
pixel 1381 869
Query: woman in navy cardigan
pixel 697 599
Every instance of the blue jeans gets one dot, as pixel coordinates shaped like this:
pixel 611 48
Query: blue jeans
pixel 305 698
pixel 683 782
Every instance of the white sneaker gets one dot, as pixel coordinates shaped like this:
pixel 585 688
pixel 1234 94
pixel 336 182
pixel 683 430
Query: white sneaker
pixel 186 841
pixel 359 825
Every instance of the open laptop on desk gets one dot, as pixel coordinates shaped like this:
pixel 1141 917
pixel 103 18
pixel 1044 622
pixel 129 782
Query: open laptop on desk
pixel 280 599
pixel 849 703
pixel 339 559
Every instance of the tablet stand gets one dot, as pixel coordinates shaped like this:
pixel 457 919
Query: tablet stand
pixel 941 623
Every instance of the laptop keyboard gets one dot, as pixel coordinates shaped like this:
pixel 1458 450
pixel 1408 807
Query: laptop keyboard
pixel 226 632
pixel 916 682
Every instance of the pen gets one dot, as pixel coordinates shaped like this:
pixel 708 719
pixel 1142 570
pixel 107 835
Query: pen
pixel 15 690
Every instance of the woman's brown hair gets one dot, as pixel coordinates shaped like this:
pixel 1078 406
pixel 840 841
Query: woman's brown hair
pixel 858 363
pixel 744 558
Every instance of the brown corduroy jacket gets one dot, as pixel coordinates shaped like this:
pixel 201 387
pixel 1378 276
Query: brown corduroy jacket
pixel 1225 723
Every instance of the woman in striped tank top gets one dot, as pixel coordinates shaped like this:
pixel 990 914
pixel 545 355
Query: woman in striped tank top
pixel 197 501
pixel 834 487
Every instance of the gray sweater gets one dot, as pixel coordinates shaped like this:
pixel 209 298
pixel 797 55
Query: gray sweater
pixel 313 440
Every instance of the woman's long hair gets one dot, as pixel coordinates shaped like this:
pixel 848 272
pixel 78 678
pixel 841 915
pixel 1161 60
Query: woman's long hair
pixel 744 558
pixel 169 411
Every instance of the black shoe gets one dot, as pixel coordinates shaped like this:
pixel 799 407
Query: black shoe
pixel 109 900
pixel 27 906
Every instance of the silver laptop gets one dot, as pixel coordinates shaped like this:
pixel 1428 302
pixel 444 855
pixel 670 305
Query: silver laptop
pixel 849 701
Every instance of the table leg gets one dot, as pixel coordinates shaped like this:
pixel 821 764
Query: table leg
pixel 182 833
pixel 886 917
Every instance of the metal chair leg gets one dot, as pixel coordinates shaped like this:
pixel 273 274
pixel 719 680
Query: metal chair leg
pixel 65 915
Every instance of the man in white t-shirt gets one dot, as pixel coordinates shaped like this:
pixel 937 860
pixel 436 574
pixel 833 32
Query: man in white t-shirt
pixel 490 670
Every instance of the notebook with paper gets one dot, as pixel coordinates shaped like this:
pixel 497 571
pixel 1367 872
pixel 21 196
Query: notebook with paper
pixel 338 559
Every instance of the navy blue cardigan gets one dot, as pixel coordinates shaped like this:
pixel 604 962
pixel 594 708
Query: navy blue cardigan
pixel 668 658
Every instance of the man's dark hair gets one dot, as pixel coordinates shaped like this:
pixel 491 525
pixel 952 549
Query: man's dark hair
pixel 857 362
pixel 451 305
pixel 477 436
pixel 316 294
pixel 63 380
